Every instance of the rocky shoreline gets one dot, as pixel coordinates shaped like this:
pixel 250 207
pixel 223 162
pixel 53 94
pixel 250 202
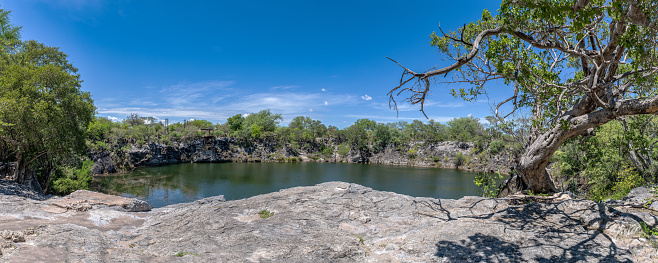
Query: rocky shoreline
pixel 441 154
pixel 329 222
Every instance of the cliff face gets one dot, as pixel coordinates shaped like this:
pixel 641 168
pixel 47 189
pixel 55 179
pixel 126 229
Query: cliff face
pixel 329 222
pixel 443 154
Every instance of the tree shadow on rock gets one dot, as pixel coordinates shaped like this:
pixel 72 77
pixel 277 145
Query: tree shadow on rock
pixel 479 248
pixel 558 232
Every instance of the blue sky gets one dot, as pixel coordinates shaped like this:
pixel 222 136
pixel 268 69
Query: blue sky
pixel 214 59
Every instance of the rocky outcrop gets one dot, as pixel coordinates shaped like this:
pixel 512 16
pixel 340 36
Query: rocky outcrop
pixel 441 154
pixel 333 222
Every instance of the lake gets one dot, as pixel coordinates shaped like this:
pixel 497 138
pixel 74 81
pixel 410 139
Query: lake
pixel 171 184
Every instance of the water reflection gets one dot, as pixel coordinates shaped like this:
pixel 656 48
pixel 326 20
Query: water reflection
pixel 172 184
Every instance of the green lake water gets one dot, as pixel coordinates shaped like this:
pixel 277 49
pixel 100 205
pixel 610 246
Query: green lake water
pixel 171 184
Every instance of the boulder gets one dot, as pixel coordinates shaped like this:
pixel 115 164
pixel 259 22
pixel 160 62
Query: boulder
pixel 83 200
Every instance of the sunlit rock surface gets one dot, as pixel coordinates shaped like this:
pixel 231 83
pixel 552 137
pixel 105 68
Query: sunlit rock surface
pixel 330 222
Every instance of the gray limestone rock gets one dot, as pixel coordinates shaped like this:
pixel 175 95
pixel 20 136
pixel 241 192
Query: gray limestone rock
pixel 329 222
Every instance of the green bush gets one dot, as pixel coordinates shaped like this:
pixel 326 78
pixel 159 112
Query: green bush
pixel 412 153
pixel 496 146
pixel 487 183
pixel 343 149
pixel 70 179
pixel 327 151
pixel 460 160
pixel 628 179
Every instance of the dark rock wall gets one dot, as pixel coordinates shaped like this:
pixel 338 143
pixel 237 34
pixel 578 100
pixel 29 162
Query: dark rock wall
pixel 442 155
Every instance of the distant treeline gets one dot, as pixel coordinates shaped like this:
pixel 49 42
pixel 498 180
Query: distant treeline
pixel 364 134
pixel 620 157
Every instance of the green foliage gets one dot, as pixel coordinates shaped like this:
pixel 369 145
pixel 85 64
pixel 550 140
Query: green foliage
pixel 496 147
pixel 201 124
pixel 235 123
pixel 256 130
pixel 185 253
pixel 70 178
pixel 460 160
pixel 265 119
pixel 265 213
pixel 627 179
pixel 465 129
pixel 99 128
pixel 134 120
pixel 361 240
pixel 648 230
pixel 412 153
pixel 359 134
pixel 327 151
pixel 306 129
pixel 603 161
pixel 343 149
pixel 43 112
pixel 487 183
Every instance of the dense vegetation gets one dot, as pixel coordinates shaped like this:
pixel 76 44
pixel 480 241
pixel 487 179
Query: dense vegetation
pixel 301 132
pixel 597 167
pixel 49 132
pixel 619 158
pixel 43 113
pixel 572 66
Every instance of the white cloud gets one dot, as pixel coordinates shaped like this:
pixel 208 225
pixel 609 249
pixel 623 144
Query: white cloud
pixel 198 93
pixel 283 87
pixel 405 106
pixel 246 115
pixel 393 118
pixel 310 110
pixel 217 100
pixel 469 115
pixel 324 90
pixel 285 103
pixel 113 119
pixel 366 97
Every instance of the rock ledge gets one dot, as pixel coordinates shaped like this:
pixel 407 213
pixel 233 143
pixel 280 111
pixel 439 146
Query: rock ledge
pixel 329 222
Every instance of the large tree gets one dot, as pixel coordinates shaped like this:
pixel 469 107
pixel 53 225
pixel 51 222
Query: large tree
pixel 572 64
pixel 43 113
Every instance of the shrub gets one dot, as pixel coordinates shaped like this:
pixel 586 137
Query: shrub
pixel 487 183
pixel 343 149
pixel 460 160
pixel 68 179
pixel 628 179
pixel 496 146
pixel 412 153
pixel 265 213
pixel 327 151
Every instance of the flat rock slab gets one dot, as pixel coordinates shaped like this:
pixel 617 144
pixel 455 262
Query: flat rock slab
pixel 329 222
pixel 84 200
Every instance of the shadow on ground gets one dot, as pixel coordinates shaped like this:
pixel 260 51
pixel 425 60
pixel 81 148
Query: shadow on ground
pixel 568 231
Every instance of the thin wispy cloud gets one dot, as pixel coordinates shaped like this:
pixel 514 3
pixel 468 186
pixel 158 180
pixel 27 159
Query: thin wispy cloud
pixel 218 100
pixel 186 94
pixel 406 106
pixel 393 118
pixel 366 97
pixel 283 87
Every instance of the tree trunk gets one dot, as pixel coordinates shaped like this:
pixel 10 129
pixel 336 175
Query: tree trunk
pixel 20 173
pixel 532 164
